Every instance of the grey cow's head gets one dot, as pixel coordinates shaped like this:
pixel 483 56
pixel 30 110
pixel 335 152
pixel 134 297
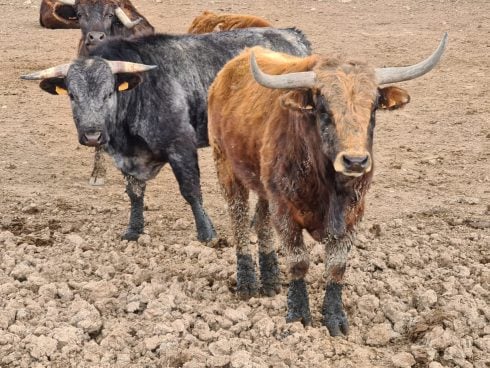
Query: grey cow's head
pixel 101 19
pixel 91 85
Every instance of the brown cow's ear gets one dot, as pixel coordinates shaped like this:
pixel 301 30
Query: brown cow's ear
pixel 297 101
pixel 127 81
pixel 391 98
pixel 55 86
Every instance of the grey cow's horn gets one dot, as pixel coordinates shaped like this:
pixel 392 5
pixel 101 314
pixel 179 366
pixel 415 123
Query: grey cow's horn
pixel 128 67
pixel 282 81
pixel 55 71
pixel 399 74
pixel 67 2
pixel 128 23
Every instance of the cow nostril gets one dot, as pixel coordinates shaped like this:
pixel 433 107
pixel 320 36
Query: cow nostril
pixel 101 37
pixel 355 163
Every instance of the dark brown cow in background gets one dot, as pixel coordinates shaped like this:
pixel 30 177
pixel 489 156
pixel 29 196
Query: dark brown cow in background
pixel 211 22
pixel 301 137
pixel 54 14
pixel 99 20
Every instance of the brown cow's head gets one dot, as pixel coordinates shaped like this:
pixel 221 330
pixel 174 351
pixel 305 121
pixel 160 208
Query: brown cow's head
pixel 343 97
pixel 100 19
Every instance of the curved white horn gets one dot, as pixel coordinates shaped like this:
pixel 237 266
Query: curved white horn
pixel 67 2
pixel 128 23
pixel 128 67
pixel 399 74
pixel 56 71
pixel 282 81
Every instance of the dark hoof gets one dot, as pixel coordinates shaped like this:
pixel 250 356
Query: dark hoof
pixel 337 324
pixel 269 274
pixel 96 181
pixel 130 235
pixel 245 277
pixel 218 243
pixel 245 292
pixel 298 303
pixel 206 236
pixel 333 312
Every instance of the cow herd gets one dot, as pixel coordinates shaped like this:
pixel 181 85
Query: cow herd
pixel 294 127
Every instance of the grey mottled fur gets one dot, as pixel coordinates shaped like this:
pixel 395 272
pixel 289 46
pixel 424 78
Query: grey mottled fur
pixel 298 303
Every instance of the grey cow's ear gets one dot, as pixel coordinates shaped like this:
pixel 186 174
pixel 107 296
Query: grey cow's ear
pixel 55 86
pixel 127 81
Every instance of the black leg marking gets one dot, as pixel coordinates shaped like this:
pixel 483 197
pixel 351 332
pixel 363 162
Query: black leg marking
pixel 333 312
pixel 245 276
pixel 136 191
pixel 269 273
pixel 298 303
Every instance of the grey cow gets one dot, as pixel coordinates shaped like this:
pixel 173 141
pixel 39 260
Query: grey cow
pixel 145 101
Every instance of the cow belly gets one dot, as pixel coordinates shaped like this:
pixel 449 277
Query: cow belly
pixel 141 167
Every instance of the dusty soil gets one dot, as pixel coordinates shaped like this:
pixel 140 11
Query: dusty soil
pixel 73 294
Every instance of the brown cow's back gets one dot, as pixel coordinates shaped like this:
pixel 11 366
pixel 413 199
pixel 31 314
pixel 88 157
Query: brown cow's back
pixel 211 22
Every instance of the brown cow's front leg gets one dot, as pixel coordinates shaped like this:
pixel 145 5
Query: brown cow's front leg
pixel 99 171
pixel 268 265
pixel 334 316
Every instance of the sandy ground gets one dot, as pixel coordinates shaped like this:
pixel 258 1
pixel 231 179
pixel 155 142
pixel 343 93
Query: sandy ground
pixel 72 294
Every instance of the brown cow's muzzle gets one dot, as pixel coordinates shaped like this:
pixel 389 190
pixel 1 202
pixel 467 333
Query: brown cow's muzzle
pixel 353 164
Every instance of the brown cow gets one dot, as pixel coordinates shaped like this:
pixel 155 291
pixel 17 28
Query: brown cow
pixel 211 22
pixel 100 20
pixel 54 14
pixel 302 140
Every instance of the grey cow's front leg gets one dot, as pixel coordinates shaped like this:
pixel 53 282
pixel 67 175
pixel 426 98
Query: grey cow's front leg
pixel 135 189
pixel 334 316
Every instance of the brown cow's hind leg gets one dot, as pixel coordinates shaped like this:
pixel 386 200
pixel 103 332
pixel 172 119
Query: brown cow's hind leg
pixel 298 264
pixel 236 196
pixel 268 265
pixel 335 263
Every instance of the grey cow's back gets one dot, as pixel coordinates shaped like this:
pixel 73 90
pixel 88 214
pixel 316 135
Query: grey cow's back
pixel 175 94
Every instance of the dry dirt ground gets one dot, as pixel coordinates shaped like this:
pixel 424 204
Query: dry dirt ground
pixel 72 294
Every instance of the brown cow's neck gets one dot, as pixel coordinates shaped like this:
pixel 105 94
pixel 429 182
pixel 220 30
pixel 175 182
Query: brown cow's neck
pixel 303 178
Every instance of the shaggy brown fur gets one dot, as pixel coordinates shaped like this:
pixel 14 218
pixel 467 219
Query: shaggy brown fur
pixel 55 15
pixel 211 22
pixel 278 144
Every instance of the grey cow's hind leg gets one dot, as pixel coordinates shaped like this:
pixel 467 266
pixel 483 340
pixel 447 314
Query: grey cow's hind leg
pixel 99 171
pixel 186 170
pixel 268 264
pixel 136 191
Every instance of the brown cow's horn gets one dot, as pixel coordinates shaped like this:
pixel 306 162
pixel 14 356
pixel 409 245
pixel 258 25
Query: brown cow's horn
pixel 67 2
pixel 283 81
pixel 127 67
pixel 399 74
pixel 128 23
pixel 56 71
